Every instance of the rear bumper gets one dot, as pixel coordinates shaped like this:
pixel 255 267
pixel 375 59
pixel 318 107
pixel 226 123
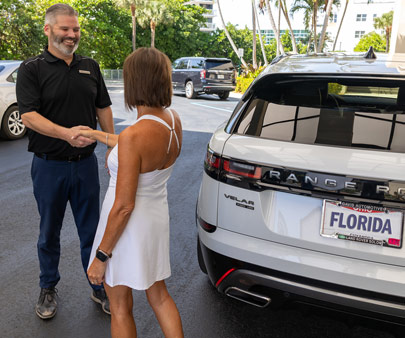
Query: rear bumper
pixel 265 282
pixel 215 88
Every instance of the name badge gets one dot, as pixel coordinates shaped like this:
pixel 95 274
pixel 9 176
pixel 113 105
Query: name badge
pixel 84 71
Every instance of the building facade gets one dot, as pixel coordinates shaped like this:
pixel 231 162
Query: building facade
pixel 209 17
pixel 358 21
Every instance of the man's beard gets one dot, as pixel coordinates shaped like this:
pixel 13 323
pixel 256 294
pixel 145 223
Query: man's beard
pixel 57 42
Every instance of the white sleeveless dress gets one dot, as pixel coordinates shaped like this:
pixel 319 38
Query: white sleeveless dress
pixel 141 256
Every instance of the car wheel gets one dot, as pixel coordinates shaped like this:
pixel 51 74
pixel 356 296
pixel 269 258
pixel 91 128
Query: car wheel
pixel 223 95
pixel 190 93
pixel 12 126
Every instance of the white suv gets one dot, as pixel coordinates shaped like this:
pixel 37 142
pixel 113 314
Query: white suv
pixel 303 189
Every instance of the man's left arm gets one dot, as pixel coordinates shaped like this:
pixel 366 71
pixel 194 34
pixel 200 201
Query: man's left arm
pixel 105 119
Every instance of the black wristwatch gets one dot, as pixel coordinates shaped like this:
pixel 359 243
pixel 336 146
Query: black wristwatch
pixel 102 256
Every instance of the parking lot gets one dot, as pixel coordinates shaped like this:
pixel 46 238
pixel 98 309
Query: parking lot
pixel 205 313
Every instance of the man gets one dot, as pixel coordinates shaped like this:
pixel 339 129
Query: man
pixel 59 93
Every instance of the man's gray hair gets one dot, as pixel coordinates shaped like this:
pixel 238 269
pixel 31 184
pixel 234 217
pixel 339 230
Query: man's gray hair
pixel 58 9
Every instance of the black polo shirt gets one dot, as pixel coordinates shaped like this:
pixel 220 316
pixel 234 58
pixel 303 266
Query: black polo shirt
pixel 65 95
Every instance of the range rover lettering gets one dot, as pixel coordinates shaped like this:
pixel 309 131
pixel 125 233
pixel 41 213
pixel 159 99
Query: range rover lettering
pixel 303 188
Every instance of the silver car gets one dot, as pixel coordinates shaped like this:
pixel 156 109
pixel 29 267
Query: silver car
pixel 11 126
pixel 303 190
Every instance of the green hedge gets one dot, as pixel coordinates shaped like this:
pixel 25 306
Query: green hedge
pixel 244 80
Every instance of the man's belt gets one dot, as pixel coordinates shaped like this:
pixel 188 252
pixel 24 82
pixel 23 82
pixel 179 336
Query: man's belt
pixel 73 158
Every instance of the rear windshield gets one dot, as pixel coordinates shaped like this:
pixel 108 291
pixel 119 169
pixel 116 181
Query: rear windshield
pixel 219 65
pixel 1 68
pixel 348 112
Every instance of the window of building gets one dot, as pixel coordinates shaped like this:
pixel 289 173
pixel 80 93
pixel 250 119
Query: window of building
pixel 361 17
pixel 359 34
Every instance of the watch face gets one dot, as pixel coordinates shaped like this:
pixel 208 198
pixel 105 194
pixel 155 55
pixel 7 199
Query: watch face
pixel 101 256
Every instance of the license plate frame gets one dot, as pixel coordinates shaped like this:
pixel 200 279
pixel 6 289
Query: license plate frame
pixel 335 224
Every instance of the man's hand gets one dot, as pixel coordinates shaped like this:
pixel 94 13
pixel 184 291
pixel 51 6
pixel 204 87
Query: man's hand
pixel 79 136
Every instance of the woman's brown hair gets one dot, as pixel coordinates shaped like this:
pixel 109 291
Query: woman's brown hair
pixel 147 79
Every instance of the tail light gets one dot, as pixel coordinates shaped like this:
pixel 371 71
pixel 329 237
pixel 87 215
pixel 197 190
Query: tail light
pixel 215 165
pixel 206 226
pixel 242 169
pixel 202 74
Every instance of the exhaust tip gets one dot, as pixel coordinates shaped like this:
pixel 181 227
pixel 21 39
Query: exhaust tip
pixel 248 297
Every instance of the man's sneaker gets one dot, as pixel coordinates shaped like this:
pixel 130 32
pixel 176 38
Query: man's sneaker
pixel 47 304
pixel 99 296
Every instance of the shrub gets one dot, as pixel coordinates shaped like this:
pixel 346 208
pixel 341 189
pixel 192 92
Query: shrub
pixel 244 80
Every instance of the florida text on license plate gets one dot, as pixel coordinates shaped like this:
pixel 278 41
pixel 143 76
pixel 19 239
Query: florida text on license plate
pixel 362 223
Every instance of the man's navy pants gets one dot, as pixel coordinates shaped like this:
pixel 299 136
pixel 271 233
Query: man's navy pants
pixel 55 183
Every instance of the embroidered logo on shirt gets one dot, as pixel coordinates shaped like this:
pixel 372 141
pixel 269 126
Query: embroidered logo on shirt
pixel 84 71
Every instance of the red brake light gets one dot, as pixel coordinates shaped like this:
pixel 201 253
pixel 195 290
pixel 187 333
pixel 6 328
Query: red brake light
pixel 246 170
pixel 206 226
pixel 202 74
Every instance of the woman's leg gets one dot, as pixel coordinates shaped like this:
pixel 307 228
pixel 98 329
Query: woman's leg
pixel 165 310
pixel 122 319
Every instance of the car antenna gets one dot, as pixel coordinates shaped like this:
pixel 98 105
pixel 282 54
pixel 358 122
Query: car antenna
pixel 370 54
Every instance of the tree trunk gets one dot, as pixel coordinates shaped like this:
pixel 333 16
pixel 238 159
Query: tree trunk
pixel 387 38
pixel 278 26
pixel 314 25
pixel 280 47
pixel 229 37
pixel 340 26
pixel 287 18
pixel 325 25
pixel 152 33
pixel 133 8
pixel 254 58
pixel 260 37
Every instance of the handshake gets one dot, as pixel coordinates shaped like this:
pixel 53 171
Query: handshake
pixel 80 136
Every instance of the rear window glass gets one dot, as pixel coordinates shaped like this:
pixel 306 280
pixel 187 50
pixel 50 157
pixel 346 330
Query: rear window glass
pixel 342 113
pixel 219 65
pixel 1 68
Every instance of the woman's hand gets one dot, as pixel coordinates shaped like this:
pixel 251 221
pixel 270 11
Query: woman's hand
pixel 96 272
pixel 84 132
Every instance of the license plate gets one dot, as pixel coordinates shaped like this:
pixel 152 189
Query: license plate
pixel 367 224
pixel 219 76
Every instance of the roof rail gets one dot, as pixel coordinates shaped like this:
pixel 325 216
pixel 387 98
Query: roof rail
pixel 278 58
pixel 370 54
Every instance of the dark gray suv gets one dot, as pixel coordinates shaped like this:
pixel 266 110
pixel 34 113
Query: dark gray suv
pixel 198 75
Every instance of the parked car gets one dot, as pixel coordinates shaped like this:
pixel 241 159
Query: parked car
pixel 198 75
pixel 11 126
pixel 303 189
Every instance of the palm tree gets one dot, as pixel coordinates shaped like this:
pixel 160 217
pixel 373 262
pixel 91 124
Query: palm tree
pixel 133 13
pixel 260 35
pixel 340 25
pixel 283 5
pixel 310 8
pixel 325 24
pixel 385 23
pixel 254 57
pixel 265 3
pixel 229 37
pixel 151 13
pixel 132 5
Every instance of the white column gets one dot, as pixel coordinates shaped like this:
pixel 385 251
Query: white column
pixel 397 43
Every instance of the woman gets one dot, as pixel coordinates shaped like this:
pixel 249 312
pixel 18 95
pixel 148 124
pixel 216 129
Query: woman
pixel 131 247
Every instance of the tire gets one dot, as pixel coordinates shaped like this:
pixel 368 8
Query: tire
pixel 223 95
pixel 190 93
pixel 11 126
